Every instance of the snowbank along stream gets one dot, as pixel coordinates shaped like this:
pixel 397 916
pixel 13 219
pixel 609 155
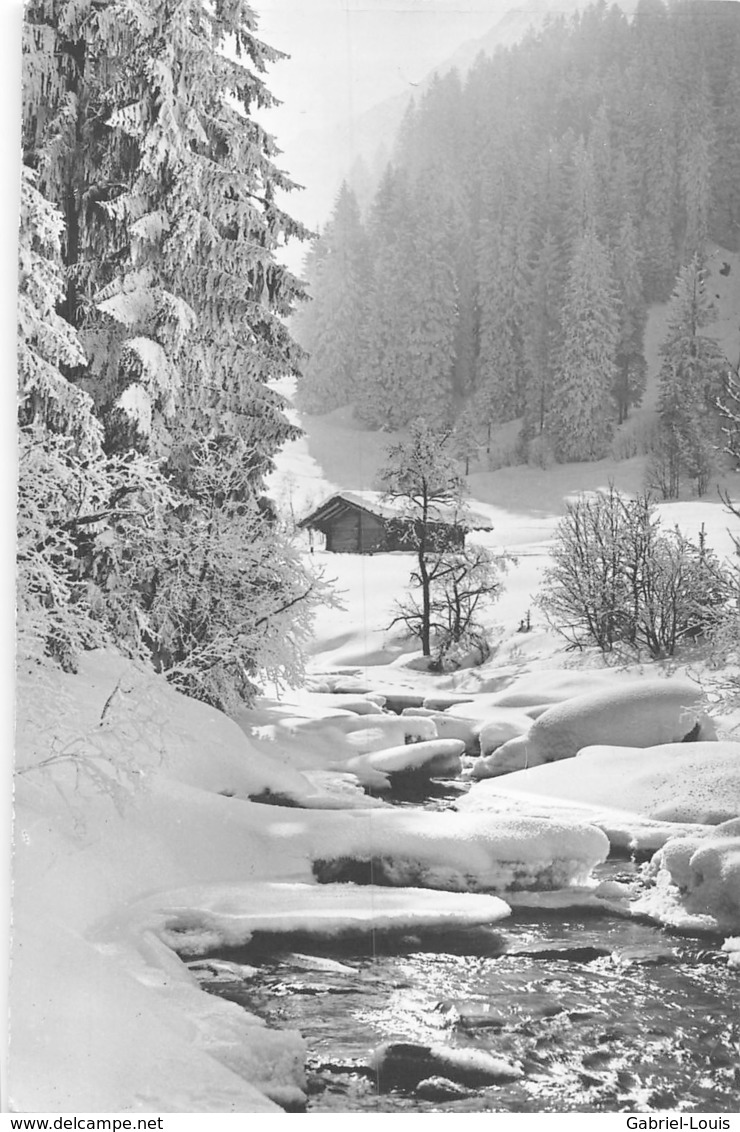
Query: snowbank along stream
pixel 572 1003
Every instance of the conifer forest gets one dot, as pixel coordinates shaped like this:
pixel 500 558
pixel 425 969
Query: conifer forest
pixel 528 217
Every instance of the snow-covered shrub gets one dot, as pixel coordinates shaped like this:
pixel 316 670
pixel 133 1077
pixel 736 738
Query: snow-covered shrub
pixel 625 445
pixel 80 517
pixel 502 455
pixel 725 638
pixel 215 588
pixel 51 620
pixel 209 586
pixel 618 579
pixel 671 455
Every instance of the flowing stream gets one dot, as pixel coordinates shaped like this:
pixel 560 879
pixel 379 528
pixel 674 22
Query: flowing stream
pixel 602 1013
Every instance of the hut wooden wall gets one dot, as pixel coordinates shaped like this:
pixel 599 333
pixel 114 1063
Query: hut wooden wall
pixel 355 532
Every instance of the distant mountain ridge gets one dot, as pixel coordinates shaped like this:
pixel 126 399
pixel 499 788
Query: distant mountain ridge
pixel 358 149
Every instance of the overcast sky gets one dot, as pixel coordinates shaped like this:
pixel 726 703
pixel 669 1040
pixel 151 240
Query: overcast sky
pixel 347 55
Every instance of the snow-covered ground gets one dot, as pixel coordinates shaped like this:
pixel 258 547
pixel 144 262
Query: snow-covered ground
pixel 142 832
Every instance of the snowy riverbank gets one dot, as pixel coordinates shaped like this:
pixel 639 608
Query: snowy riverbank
pixel 137 840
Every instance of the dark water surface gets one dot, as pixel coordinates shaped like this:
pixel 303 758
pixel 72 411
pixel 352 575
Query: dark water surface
pixel 602 1013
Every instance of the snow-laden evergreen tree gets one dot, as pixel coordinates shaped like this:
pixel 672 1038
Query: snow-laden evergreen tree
pixel 302 323
pixel 431 305
pixel 383 372
pixel 657 162
pixel 433 146
pixel 46 341
pixel 167 184
pixel 726 158
pixel 692 377
pixel 585 204
pixel 408 350
pixel 631 374
pixel 581 421
pixel 59 442
pixel 696 157
pixel 138 120
pixel 502 288
pixel 729 406
pixel 333 320
pixel 542 336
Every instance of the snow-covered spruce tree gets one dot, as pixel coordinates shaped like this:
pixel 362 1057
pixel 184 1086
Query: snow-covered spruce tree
pixel 692 378
pixel 76 506
pixel 697 147
pixel 381 384
pixel 542 335
pixel 171 220
pixel 502 288
pixel 59 454
pixel 432 306
pixel 631 367
pixel 582 414
pixel 408 352
pixel 728 404
pixel 46 341
pixel 138 120
pixel 332 324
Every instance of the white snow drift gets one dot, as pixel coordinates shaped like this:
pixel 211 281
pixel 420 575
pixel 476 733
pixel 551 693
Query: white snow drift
pixel 674 782
pixel 645 713
pixel 458 852
pixel 203 918
pixel 697 881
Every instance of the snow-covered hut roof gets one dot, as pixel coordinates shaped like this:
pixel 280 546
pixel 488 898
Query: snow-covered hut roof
pixel 378 504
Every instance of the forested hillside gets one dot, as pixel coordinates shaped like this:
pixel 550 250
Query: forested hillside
pixel 528 218
pixel 151 318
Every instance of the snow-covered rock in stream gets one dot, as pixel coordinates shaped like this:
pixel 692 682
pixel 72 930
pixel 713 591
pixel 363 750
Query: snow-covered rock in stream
pixel 434 759
pixel 365 704
pixel 626 831
pixel 642 713
pixel 202 918
pixel 317 746
pixel 391 730
pixel 458 852
pixel 697 881
pixel 732 947
pixel 640 797
pixel 500 728
pixel 449 726
pixel 403 1065
pixel 397 700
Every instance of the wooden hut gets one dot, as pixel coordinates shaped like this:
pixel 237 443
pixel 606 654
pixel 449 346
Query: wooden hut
pixel 367 522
